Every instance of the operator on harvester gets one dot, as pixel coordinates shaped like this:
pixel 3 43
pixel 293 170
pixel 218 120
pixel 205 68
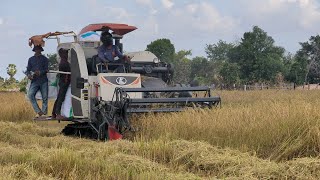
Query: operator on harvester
pixel 107 53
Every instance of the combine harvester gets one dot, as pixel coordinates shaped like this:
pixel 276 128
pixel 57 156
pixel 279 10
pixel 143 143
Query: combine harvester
pixel 103 101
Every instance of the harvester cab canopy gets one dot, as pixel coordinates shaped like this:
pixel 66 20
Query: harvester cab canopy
pixel 89 36
pixel 117 29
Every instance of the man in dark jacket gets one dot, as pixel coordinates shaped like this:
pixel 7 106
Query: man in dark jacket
pixel 37 72
pixel 64 82
pixel 107 52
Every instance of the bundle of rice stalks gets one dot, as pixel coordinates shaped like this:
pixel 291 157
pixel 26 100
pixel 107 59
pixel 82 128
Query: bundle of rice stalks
pixel 202 158
pixel 15 107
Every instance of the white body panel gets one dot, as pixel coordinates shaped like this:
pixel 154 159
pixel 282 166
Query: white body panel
pixel 109 81
pixel 79 69
pixel 142 56
pixel 90 48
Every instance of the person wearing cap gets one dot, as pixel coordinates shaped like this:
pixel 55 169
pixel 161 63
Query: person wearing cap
pixel 64 82
pixel 107 51
pixel 37 72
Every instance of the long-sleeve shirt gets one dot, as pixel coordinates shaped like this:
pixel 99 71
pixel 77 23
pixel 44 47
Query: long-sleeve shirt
pixel 64 66
pixel 38 63
pixel 108 54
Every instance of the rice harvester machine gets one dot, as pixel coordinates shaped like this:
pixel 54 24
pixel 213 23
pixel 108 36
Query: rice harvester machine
pixel 104 100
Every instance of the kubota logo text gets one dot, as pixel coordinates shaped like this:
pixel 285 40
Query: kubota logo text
pixel 121 80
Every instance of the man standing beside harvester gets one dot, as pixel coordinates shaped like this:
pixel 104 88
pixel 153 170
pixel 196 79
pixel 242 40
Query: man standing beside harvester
pixel 37 72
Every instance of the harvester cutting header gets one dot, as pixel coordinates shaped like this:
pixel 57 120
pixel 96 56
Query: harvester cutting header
pixel 105 93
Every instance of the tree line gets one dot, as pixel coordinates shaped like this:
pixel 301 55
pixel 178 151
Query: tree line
pixel 253 59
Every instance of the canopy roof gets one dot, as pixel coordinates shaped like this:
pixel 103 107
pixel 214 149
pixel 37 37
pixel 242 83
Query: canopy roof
pixel 119 29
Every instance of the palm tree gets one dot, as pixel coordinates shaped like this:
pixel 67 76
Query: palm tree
pixel 11 70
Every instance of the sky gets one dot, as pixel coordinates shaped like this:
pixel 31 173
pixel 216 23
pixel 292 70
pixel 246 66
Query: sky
pixel 189 24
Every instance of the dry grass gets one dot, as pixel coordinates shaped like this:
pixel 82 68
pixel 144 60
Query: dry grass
pixel 15 107
pixel 255 135
pixel 279 125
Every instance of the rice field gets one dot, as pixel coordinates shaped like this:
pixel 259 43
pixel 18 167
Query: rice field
pixel 254 135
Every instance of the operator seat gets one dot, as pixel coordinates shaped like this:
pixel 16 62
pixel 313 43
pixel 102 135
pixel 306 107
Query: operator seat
pixel 112 67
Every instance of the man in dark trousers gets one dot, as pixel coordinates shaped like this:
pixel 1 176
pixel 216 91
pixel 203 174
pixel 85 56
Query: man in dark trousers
pixel 64 82
pixel 37 72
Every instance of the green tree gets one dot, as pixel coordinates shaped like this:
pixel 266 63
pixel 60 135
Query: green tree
pixel 257 56
pixel 1 81
pixel 309 56
pixel 182 67
pixel 203 70
pixel 53 63
pixel 23 84
pixel 182 54
pixel 163 49
pixel 230 73
pixel 199 66
pixel 219 52
pixel 11 71
pixel 297 69
pixel 288 61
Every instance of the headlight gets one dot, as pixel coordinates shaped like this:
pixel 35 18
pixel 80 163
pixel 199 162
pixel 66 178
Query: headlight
pixel 156 60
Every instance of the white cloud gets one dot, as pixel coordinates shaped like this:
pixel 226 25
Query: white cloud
pixel 119 13
pixel 151 26
pixel 192 8
pixel 302 13
pixel 153 11
pixel 144 2
pixel 203 17
pixel 310 13
pixel 148 27
pixel 11 30
pixel 168 4
pixel 149 4
pixel 16 38
pixel 101 13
